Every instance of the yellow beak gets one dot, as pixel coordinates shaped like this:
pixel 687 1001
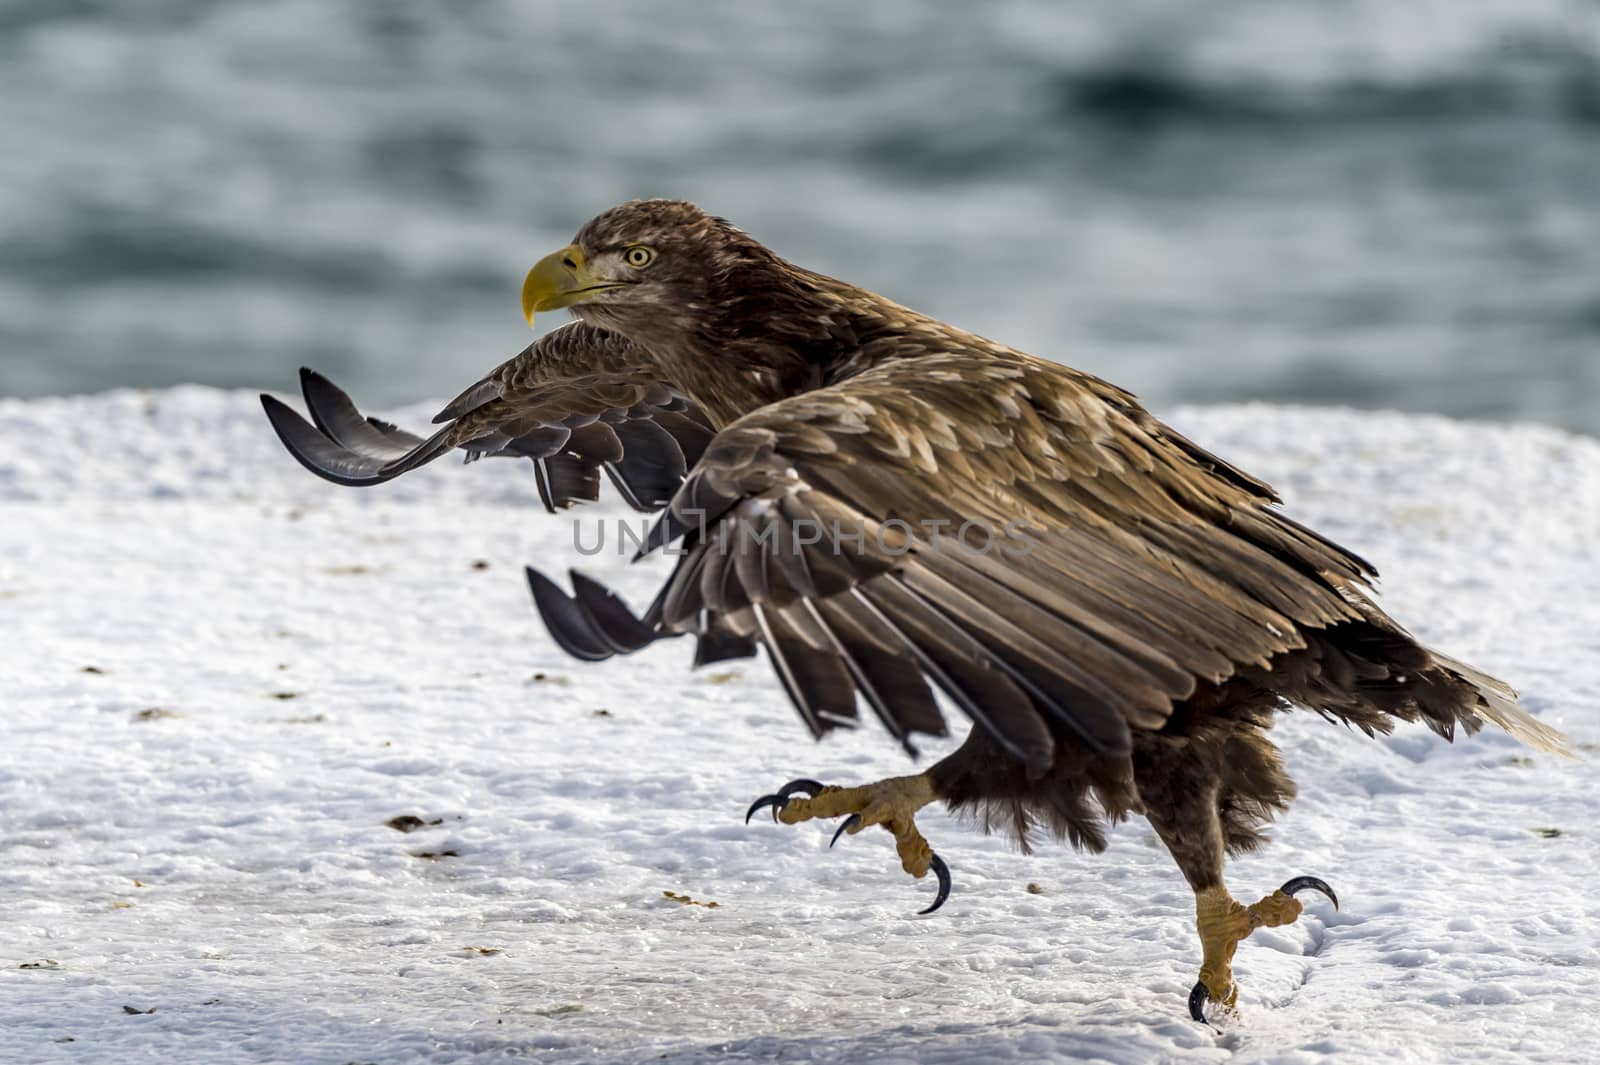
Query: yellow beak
pixel 558 280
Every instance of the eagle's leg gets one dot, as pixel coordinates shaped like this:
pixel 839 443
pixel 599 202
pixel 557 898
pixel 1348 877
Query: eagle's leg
pixel 892 803
pixel 1183 803
pixel 1223 922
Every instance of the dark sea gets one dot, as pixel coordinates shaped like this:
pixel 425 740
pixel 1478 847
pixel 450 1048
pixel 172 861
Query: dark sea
pixel 1356 202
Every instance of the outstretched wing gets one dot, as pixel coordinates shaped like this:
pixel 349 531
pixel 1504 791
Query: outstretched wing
pixel 1021 537
pixel 577 401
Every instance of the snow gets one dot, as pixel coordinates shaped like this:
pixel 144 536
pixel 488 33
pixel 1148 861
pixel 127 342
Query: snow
pixel 222 677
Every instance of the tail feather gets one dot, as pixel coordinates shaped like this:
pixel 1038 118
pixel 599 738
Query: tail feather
pixel 1497 704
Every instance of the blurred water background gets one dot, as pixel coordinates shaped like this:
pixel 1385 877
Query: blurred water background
pixel 1357 202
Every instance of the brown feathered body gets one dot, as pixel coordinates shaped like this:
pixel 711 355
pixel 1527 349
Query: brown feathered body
pixel 892 506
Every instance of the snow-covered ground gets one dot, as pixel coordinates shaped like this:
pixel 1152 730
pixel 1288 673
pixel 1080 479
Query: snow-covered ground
pixel 222 679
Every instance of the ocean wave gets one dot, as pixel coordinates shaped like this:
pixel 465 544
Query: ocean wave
pixel 1556 83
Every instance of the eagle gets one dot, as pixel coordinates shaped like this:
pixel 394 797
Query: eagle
pixel 897 510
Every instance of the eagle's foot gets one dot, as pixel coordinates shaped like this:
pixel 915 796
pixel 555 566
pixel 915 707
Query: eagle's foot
pixel 1223 923
pixel 892 803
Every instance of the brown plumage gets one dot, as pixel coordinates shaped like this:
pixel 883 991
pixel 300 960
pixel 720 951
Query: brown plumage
pixel 1133 612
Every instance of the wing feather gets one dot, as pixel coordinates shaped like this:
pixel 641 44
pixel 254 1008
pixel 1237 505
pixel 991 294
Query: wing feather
pixel 1144 566
pixel 579 402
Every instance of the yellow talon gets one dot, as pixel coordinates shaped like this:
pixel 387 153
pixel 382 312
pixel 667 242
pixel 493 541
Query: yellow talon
pixel 892 803
pixel 1223 923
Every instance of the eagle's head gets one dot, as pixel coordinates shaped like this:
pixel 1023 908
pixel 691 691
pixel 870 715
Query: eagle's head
pixel 648 268
pixel 726 319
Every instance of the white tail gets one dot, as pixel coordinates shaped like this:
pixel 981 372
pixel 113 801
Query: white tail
pixel 1501 708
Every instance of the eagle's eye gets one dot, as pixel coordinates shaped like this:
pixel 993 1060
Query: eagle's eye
pixel 639 256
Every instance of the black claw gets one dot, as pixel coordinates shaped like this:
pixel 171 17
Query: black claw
pixel 1301 883
pixel 805 784
pixel 844 826
pixel 779 799
pixel 942 871
pixel 1198 997
pixel 765 800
